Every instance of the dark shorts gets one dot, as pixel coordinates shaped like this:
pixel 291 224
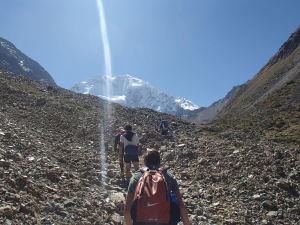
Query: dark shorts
pixel 164 132
pixel 131 158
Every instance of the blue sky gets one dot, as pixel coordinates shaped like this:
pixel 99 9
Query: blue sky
pixel 197 49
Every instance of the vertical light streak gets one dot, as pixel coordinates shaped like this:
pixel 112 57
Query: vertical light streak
pixel 107 117
pixel 105 41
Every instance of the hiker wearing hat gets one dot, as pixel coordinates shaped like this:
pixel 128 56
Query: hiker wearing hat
pixel 129 143
pixel 118 150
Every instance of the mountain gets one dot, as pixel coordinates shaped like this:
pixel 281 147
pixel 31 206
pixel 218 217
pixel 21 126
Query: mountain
pixel 135 93
pixel 274 75
pixel 12 59
pixel 58 165
pixel 207 114
pixel 269 104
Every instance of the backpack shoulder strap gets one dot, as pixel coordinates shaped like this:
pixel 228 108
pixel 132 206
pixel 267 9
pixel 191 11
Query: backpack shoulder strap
pixel 143 170
pixel 163 172
pixel 141 183
pixel 164 169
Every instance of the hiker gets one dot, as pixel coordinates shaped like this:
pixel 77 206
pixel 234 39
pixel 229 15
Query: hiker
pixel 119 152
pixel 148 198
pixel 163 127
pixel 129 144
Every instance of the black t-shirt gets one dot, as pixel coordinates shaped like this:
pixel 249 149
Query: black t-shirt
pixel 117 140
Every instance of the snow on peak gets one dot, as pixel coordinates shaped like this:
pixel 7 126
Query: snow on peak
pixel 133 92
pixel 133 81
pixel 109 77
pixel 186 104
pixel 136 82
pixel 21 63
pixel 119 98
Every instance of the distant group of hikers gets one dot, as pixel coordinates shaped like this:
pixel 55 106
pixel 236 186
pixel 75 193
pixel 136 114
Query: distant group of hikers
pixel 153 196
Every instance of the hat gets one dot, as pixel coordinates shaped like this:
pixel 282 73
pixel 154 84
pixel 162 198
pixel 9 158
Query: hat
pixel 121 130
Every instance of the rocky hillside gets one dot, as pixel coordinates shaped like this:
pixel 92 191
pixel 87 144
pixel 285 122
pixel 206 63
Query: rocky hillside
pixel 50 163
pixel 281 68
pixel 269 104
pixel 205 115
pixel 12 59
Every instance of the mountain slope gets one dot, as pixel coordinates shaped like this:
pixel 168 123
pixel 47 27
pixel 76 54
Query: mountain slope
pixel 272 93
pixel 12 59
pixel 135 93
pixel 207 114
pixel 51 162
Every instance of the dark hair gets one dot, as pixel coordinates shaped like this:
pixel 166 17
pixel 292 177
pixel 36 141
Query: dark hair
pixel 152 158
pixel 128 127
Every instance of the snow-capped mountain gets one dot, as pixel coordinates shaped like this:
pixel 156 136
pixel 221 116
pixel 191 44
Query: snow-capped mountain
pixel 13 60
pixel 134 92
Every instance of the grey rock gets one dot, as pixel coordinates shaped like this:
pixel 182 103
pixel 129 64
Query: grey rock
pixel 269 205
pixel 69 203
pixel 7 211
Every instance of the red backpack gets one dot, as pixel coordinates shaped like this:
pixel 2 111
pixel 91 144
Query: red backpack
pixel 151 198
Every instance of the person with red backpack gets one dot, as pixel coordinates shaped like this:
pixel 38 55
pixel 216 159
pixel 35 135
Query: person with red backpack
pixel 151 194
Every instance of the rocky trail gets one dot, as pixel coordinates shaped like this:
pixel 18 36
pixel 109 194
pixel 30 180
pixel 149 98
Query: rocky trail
pixel 50 163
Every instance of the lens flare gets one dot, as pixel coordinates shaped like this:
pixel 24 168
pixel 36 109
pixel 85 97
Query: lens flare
pixel 107 117
pixel 104 36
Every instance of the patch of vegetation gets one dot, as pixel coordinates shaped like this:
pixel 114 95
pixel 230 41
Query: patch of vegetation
pixel 277 117
pixel 274 115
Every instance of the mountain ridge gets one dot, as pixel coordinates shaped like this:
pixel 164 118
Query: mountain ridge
pixel 281 68
pixel 265 93
pixel 207 114
pixel 134 92
pixel 14 60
